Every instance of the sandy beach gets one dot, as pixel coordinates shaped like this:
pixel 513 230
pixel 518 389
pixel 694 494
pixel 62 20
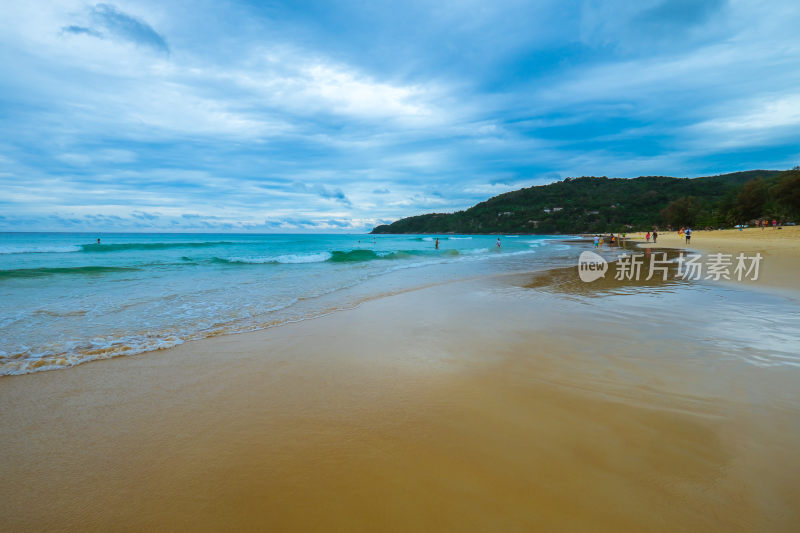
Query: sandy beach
pixel 488 404
pixel 780 249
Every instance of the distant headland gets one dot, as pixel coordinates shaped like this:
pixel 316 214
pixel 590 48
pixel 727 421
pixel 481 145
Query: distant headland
pixel 602 204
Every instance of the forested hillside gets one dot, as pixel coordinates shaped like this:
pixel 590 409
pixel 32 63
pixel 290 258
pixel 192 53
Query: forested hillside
pixel 593 205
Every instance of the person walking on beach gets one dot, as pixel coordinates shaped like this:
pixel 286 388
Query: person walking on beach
pixel 655 235
pixel 774 223
pixel 688 234
pixel 647 237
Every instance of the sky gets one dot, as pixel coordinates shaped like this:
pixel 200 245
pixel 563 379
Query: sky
pixel 335 116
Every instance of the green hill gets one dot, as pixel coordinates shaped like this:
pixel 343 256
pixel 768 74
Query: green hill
pixel 593 205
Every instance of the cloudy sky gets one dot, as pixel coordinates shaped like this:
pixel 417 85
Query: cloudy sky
pixel 338 115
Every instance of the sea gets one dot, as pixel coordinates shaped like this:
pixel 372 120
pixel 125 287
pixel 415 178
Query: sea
pixel 66 299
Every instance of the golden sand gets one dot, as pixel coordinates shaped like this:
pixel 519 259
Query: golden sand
pixel 779 247
pixel 475 406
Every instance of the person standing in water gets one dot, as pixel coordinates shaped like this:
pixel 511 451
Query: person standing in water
pixel 98 240
pixel 437 243
pixel 498 243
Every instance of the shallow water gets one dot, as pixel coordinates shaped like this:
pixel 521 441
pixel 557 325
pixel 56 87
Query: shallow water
pixel 65 299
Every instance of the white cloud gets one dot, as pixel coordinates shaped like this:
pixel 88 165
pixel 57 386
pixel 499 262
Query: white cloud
pixel 754 122
pixel 760 115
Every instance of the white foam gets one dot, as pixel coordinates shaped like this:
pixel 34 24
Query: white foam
pixel 509 254
pixel 459 238
pixel 320 257
pixel 289 259
pixel 473 251
pixel 99 348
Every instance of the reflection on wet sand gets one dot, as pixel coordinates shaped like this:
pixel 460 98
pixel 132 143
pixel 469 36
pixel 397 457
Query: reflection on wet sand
pixel 566 280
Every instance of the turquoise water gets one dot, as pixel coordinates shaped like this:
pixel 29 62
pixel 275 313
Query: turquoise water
pixel 64 299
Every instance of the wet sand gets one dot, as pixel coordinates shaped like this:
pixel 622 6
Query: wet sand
pixel 492 404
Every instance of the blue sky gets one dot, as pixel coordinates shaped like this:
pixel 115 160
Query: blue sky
pixel 335 116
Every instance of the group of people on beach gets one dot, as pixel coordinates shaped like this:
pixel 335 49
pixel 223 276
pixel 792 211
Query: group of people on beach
pixel 613 240
pixel 683 232
pixel 654 235
pixel 764 223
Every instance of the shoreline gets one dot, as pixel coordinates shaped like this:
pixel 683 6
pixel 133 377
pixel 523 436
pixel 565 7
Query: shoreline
pixel 397 279
pixel 150 295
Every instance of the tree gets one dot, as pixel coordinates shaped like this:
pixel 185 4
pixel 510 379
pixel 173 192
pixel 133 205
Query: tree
pixel 682 212
pixel 787 192
pixel 751 200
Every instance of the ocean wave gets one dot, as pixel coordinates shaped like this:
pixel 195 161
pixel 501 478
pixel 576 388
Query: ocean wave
pixel 42 272
pixel 520 252
pixel 293 259
pixel 357 256
pixel 289 259
pixel 38 249
pixel 449 238
pixel 148 246
pixel 369 255
pixel 336 256
pixel 26 362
